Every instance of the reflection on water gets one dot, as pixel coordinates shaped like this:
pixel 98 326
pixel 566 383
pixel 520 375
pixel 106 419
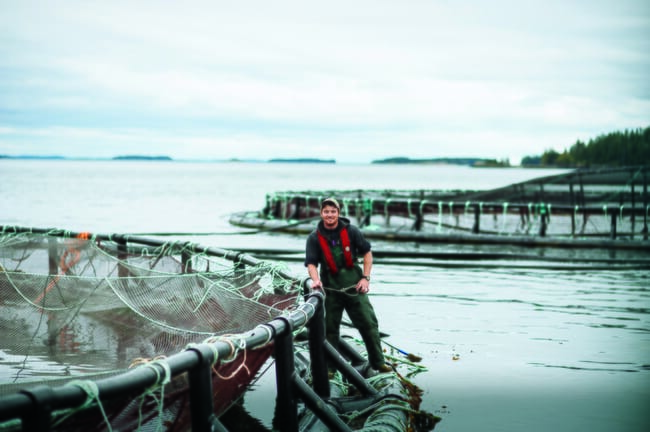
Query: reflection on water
pixel 572 320
pixel 596 366
pixel 33 348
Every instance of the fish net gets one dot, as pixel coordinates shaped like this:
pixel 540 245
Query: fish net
pixel 81 307
pixel 581 204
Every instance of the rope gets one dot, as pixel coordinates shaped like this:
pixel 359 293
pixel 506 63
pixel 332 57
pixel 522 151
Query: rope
pixel 233 356
pixel 160 384
pixel 386 213
pixel 305 314
pixel 269 333
pixel 346 210
pixel 154 299
pixel 451 212
pixel 28 300
pixel 422 204
pixel 344 290
pixel 92 396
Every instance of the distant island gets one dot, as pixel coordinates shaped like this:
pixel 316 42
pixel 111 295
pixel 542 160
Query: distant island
pixel 620 148
pixel 37 157
pixel 143 158
pixel 474 162
pixel 304 160
pixel 57 157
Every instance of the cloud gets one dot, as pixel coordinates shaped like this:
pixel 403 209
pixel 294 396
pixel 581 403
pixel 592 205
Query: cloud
pixel 352 81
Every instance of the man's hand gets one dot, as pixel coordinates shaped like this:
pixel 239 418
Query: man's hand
pixel 313 275
pixel 363 286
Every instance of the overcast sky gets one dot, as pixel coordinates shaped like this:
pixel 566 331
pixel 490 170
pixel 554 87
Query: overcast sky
pixel 349 80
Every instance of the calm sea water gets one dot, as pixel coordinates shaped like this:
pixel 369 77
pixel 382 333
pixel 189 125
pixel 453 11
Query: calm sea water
pixel 508 347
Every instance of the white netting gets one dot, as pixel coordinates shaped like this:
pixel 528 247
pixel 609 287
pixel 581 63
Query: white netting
pixel 78 306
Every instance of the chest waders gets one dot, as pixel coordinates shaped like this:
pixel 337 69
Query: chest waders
pixel 341 274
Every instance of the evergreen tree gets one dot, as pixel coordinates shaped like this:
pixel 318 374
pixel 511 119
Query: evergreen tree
pixel 630 147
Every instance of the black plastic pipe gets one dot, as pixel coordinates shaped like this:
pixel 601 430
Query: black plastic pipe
pixel 197 360
pixel 324 412
pixel 348 371
pixel 201 401
pixel 285 372
pixel 316 351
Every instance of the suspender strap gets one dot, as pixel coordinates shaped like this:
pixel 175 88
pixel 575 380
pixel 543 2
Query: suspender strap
pixel 329 259
pixel 347 253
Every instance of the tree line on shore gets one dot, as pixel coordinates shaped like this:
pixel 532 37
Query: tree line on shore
pixel 615 149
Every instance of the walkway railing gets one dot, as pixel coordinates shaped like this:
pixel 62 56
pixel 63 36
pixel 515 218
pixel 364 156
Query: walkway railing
pixel 34 406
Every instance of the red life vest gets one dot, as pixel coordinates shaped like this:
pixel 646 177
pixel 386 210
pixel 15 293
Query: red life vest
pixel 329 258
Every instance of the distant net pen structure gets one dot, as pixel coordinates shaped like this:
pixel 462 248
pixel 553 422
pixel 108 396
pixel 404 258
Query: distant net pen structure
pixel 602 208
pixel 118 332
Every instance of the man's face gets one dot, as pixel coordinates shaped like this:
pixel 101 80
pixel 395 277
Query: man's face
pixel 330 216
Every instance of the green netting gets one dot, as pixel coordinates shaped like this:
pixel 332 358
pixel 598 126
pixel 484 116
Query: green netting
pixel 81 307
pixel 598 203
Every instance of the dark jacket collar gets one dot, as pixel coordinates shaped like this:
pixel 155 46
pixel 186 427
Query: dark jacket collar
pixel 343 222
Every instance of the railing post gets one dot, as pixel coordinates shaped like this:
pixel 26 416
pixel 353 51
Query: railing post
pixel 286 403
pixel 295 214
pixel 645 206
pixel 633 202
pixel 186 260
pixel 573 223
pixel 367 212
pixel 122 270
pixel 387 212
pixel 53 255
pixel 267 205
pixel 239 265
pixel 543 220
pixel 477 219
pixel 358 209
pixel 317 351
pixel 201 402
pixel 613 224
pixel 573 213
pixel 277 209
pixel 417 225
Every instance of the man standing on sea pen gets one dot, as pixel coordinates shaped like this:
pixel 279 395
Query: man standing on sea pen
pixel 335 245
